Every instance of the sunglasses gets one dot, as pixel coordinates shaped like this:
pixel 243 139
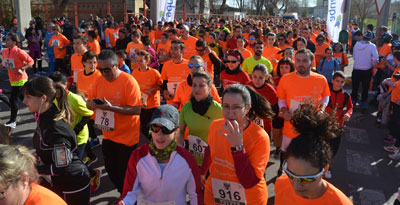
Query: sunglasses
pixel 228 61
pixel 164 130
pixel 197 66
pixel 104 70
pixel 301 179
pixel 252 38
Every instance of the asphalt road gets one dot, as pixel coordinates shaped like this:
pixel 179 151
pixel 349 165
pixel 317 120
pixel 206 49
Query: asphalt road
pixel 361 168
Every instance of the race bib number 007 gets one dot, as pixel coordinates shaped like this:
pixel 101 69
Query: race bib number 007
pixel 227 192
pixel 197 146
pixel 105 120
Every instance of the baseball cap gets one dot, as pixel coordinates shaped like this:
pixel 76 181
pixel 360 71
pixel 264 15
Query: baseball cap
pixel 386 35
pixel 368 34
pixel 165 115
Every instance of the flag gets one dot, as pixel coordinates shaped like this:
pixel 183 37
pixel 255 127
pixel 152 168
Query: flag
pixel 335 18
pixel 166 10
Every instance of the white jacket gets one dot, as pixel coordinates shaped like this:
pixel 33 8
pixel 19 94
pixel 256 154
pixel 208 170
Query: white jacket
pixel 143 177
pixel 365 55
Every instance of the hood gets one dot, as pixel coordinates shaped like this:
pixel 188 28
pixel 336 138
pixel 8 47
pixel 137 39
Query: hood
pixel 361 45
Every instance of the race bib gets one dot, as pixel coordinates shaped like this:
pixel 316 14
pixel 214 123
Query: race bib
pixel 105 120
pixel 158 41
pixel 9 63
pixel 227 192
pixel 294 104
pixel 75 76
pixel 145 202
pixel 259 122
pixel 115 35
pixel 172 87
pixel 55 43
pixel 132 54
pixel 144 99
pixel 197 146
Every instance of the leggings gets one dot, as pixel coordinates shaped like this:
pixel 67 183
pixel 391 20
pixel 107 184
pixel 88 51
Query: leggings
pixel 15 93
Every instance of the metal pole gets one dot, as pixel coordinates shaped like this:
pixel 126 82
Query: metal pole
pixel 383 17
pixel 346 15
pixel 76 14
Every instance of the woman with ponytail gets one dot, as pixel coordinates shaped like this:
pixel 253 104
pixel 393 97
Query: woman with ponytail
pixel 308 158
pixel 55 140
pixel 238 150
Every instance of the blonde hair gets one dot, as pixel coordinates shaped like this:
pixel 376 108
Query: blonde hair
pixel 14 161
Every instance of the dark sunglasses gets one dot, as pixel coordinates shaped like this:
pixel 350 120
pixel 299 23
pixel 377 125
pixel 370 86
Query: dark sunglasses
pixel 301 179
pixel 197 66
pixel 104 70
pixel 155 128
pixel 234 61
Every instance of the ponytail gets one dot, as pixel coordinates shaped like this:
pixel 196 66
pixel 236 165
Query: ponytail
pixel 260 107
pixel 65 113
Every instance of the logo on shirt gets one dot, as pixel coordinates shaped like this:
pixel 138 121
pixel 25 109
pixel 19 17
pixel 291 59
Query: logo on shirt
pixel 117 96
pixel 227 186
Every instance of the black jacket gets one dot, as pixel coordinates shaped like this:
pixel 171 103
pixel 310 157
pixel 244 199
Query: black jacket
pixel 53 140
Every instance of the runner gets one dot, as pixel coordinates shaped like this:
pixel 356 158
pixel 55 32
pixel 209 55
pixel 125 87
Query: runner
pixel 149 80
pixel 134 45
pixel 55 141
pixel 250 62
pixel 240 41
pixel 16 61
pixel 340 56
pixel 59 43
pixel 238 150
pixel 308 158
pixel 270 51
pixel 93 43
pixel 116 99
pixel 80 43
pixel 189 41
pixel 19 179
pixel 162 171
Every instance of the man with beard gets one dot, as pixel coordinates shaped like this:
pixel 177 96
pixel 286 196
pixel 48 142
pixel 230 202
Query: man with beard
pixel 250 62
pixel 302 86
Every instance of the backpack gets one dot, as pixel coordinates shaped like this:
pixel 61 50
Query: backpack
pixel 346 98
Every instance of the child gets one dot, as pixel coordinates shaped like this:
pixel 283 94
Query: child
pixel 121 61
pixel 285 66
pixel 338 102
pixel 327 66
pixel 340 56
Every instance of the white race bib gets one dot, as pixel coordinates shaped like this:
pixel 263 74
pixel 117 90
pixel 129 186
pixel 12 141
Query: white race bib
pixel 145 202
pixel 197 146
pixel 259 122
pixel 144 99
pixel 105 120
pixel 227 192
pixel 132 54
pixel 294 104
pixel 56 43
pixel 115 35
pixel 172 87
pixel 9 63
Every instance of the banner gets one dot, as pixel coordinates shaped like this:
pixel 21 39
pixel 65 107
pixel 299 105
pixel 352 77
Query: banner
pixel 335 18
pixel 166 12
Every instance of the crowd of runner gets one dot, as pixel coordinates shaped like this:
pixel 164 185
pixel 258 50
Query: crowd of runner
pixel 188 110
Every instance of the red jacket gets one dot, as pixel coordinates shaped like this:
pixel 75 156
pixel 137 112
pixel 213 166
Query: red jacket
pixel 337 101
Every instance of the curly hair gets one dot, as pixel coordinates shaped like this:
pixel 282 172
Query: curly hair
pixel 315 128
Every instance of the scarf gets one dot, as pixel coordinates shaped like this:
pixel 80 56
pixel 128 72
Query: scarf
pixel 201 106
pixel 233 72
pixel 162 154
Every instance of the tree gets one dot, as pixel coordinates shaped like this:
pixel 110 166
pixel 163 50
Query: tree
pixel 362 9
pixel 59 6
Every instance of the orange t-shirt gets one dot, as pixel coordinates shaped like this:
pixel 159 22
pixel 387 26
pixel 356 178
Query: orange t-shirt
pixel 272 54
pixel 385 50
pixel 184 92
pixel 76 63
pixel 320 52
pixel 190 46
pixel 338 57
pixel 163 49
pixel 285 194
pixel 175 73
pixel 257 146
pixel 85 83
pixel 297 90
pixel 19 57
pixel 112 35
pixel 158 34
pixel 147 80
pixel 59 41
pixel 40 195
pixel 131 52
pixel 395 97
pixel 246 53
pixel 123 91
pixel 208 63
pixel 94 46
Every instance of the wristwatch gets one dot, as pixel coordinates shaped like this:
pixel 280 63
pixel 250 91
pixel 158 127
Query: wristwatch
pixel 237 148
pixel 23 69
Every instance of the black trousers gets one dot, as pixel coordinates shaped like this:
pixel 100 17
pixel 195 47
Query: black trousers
pixel 363 77
pixel 145 117
pixel 116 157
pixel 394 122
pixel 59 65
pixel 15 94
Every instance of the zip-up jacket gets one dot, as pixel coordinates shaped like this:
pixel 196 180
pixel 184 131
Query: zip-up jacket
pixel 337 102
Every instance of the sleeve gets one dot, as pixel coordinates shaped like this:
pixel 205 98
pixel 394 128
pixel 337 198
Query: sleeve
pixel 349 106
pixel 346 59
pixel 218 65
pixel 244 171
pixel 131 188
pixel 319 67
pixel 107 38
pixel 245 66
pixel 281 92
pixel 158 77
pixel 326 91
pixel 164 74
pixel 78 105
pixel 375 55
pixel 269 66
pixel 65 40
pixel 50 41
pixel 132 95
pixel 214 93
pixel 26 58
pixel 205 166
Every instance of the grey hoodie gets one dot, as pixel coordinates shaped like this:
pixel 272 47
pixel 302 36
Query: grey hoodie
pixel 365 55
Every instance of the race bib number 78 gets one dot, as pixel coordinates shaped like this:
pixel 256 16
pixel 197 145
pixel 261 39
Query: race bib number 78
pixel 105 120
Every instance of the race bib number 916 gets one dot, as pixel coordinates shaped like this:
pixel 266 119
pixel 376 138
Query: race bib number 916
pixel 227 192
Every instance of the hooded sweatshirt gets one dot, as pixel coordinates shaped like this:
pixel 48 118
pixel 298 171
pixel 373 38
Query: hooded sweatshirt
pixel 365 55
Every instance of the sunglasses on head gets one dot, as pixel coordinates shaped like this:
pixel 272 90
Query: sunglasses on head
pixel 197 66
pixel 228 61
pixel 104 70
pixel 301 179
pixel 155 128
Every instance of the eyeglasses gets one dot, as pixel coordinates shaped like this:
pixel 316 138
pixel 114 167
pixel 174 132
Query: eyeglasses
pixel 104 70
pixel 164 130
pixel 301 179
pixel 197 66
pixel 252 38
pixel 234 108
pixel 228 61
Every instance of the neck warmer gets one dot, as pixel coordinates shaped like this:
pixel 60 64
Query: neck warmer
pixel 201 106
pixel 162 154
pixel 232 72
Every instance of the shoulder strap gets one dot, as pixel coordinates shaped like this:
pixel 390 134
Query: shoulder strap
pixel 322 63
pixel 346 98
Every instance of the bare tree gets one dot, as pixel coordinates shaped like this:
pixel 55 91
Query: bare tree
pixel 222 8
pixel 240 4
pixel 59 6
pixel 362 9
